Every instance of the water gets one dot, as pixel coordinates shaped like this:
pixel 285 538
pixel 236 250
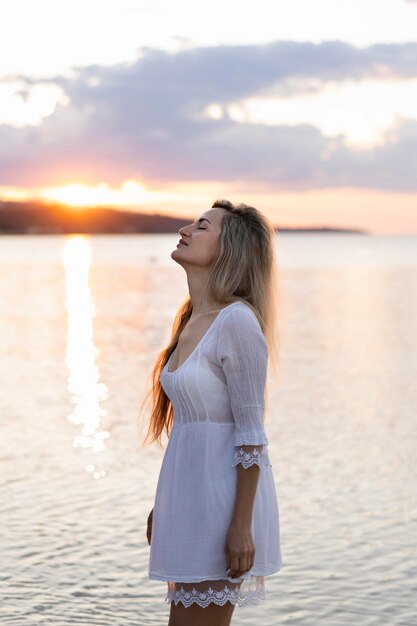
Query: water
pixel 82 321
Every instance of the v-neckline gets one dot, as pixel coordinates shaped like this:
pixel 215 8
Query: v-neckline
pixel 199 342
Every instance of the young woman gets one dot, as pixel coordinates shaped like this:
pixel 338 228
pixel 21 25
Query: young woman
pixel 214 528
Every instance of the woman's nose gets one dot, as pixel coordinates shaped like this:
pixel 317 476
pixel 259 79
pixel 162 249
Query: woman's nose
pixel 183 231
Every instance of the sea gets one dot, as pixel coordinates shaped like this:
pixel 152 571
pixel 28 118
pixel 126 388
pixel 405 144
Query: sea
pixel 82 322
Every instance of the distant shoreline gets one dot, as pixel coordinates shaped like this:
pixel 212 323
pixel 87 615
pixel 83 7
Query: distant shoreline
pixel 32 218
pixel 277 230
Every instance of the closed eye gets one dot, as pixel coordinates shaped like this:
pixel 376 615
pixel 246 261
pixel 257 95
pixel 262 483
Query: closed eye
pixel 201 228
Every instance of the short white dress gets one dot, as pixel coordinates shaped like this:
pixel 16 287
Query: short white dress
pixel 217 395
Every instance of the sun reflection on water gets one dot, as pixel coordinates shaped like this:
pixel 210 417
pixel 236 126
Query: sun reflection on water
pixel 84 385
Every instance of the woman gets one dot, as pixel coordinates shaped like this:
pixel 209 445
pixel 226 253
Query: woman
pixel 214 529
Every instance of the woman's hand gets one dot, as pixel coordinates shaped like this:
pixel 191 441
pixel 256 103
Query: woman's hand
pixel 149 529
pixel 240 550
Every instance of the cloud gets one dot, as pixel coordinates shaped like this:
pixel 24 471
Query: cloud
pixel 144 120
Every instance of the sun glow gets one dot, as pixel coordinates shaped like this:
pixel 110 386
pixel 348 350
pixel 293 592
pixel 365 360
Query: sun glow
pixel 80 195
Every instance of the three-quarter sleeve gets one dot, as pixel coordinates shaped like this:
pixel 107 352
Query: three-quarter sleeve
pixel 243 354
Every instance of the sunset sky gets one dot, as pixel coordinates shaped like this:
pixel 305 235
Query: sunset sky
pixel 306 110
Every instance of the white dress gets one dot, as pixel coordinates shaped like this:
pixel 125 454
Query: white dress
pixel 217 395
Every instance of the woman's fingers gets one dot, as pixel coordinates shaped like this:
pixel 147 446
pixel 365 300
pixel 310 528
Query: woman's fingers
pixel 236 565
pixel 239 566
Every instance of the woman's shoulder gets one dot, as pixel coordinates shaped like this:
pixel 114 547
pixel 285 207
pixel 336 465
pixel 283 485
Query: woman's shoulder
pixel 240 325
pixel 241 312
pixel 241 334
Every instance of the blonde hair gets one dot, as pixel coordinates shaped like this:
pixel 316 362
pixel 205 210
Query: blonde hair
pixel 245 269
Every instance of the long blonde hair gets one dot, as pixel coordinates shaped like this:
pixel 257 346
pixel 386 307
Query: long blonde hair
pixel 245 269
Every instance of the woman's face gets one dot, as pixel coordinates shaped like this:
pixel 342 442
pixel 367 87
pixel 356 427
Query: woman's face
pixel 201 238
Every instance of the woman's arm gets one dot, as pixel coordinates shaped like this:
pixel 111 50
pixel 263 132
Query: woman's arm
pixel 239 546
pixel 247 482
pixel 243 354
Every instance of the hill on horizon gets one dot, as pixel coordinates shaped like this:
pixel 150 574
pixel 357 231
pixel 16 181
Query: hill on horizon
pixel 38 218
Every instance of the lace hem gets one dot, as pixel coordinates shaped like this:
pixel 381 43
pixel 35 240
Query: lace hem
pixel 260 457
pixel 250 591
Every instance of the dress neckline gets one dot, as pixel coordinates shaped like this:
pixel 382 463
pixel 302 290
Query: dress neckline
pixel 200 341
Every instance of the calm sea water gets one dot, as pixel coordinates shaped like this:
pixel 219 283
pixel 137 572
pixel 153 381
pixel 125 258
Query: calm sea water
pixel 82 321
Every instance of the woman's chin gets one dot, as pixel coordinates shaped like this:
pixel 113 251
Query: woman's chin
pixel 177 249
pixel 174 256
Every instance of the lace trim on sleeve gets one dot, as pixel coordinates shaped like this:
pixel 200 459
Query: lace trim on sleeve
pixel 260 457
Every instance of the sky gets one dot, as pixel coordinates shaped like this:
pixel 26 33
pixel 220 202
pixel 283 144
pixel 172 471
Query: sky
pixel 305 110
